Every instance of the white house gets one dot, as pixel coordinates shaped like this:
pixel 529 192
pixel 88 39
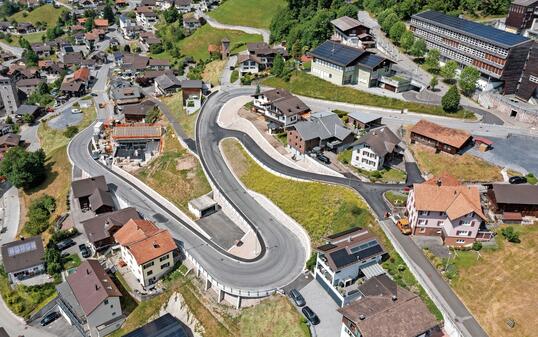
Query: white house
pixel 146 17
pixel 375 149
pixel 147 250
pixel 23 258
pixel 280 107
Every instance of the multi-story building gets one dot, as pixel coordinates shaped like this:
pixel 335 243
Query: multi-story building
pixel 23 258
pixel 376 149
pixel 343 259
pixel 443 207
pixel 147 250
pixel 8 93
pixel 280 108
pixel 90 301
pixel 521 15
pixel 499 55
pixel 352 32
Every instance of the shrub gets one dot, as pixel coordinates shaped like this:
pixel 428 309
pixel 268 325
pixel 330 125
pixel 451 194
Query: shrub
pixel 510 234
pixel 70 131
pixel 451 100
pixel 477 246
pixel 39 214
pixel 311 262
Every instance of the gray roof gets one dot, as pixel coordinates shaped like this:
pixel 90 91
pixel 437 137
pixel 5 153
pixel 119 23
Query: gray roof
pixel 97 228
pixel 202 202
pixel 523 194
pixel 192 84
pixel 323 125
pixel 381 140
pixel 346 23
pixel 164 326
pixel 10 139
pixel 290 105
pixel 23 254
pixel 86 187
pixel 27 109
pixel 524 2
pixel 140 109
pixel 167 80
pixel 364 117
pixel 100 198
pixel 126 93
pixel 66 294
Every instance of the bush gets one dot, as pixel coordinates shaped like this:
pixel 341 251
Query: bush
pixel 22 168
pixel 477 246
pixel 39 214
pixel 468 80
pixel 71 131
pixel 451 100
pixel 510 234
pixel 311 262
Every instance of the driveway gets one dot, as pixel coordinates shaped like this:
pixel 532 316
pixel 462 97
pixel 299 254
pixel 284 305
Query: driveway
pixel 58 328
pixel 330 320
pixel 9 211
pixel 65 118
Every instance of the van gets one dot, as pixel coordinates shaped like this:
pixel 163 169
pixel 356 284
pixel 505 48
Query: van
pixel 403 226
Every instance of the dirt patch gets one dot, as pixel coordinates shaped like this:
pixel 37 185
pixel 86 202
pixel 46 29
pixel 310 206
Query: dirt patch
pixel 186 163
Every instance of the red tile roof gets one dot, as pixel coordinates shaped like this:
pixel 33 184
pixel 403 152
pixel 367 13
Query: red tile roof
pixel 82 74
pixel 453 137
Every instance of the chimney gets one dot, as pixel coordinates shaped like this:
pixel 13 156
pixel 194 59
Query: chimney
pixel 394 298
pixel 88 272
pixel 439 182
pixel 155 244
pixel 96 287
pixel 362 317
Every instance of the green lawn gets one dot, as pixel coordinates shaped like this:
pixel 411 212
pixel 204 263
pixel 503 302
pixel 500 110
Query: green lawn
pixel 396 198
pixel 46 13
pixel 308 85
pixel 251 13
pixel 385 175
pixel 196 44
pixel 234 76
pixel 71 261
pixel 32 38
pixel 321 209
pixel 175 104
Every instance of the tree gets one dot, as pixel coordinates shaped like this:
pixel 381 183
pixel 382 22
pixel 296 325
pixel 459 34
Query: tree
pixel 156 48
pixel 70 131
pixel 389 21
pixel 22 168
pixel 451 100
pixel 127 48
pixel 350 10
pixel 28 118
pixel 433 83
pixel 384 14
pixel 396 31
pixel 432 60
pixel 171 15
pixel 108 14
pixel 278 65
pixel 258 89
pixel 419 48
pixel 468 79
pixel 407 40
pixel 448 71
pixel 510 234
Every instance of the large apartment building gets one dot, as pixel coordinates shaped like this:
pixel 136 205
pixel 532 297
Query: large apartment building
pixel 8 95
pixel 499 55
pixel 521 15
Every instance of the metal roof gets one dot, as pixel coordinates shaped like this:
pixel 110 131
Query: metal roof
pixel 337 53
pixel 480 31
pixel 164 326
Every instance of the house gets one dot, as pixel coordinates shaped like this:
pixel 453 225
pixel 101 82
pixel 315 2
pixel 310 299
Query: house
pixel 362 120
pixel 508 198
pixel 146 17
pixel 376 149
pixel 28 109
pixel 351 32
pixel 191 22
pixel 8 95
pixel 101 24
pixel 439 137
pixel 148 3
pixel 41 49
pixel 248 63
pixel 164 326
pixel 136 142
pixel 23 259
pixel 76 83
pixel 445 208
pixel 29 85
pixel 167 84
pixel 322 130
pixel 344 258
pixel 521 15
pixel 388 310
pixel 148 39
pixel 183 6
pixel 192 94
pixel 93 194
pixel 136 113
pixel 89 300
pixel 126 95
pixel 147 250
pixel 341 64
pixel 264 53
pixel 158 64
pixel 280 108
pixel 100 229
pixel 71 59
pixel 128 27
pixel 25 28
pixel 8 141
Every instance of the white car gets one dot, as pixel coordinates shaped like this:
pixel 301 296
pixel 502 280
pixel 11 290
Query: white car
pixel 76 111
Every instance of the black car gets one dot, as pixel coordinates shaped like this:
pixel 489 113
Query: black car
pixel 297 297
pixel 310 315
pixel 323 159
pixel 63 245
pixel 84 251
pixel 93 94
pixel 517 180
pixel 49 318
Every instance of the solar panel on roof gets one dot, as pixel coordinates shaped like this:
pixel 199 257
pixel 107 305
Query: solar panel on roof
pixel 369 252
pixel 336 53
pixel 472 28
pixel 22 248
pixel 341 258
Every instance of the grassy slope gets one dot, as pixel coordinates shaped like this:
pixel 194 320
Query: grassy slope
pixel 496 287
pixel 213 71
pixel 196 44
pixel 252 13
pixel 175 104
pixel 308 85
pixel 176 184
pixel 321 209
pixel 46 13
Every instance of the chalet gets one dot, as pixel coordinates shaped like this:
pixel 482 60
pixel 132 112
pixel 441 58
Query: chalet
pixel 376 149
pixel 167 84
pixel 146 17
pixel 521 200
pixel 93 194
pixel 351 32
pixel 29 85
pixel 8 141
pixel 148 39
pixel 264 53
pixel 362 120
pixel 23 259
pixel 137 142
pixel 76 83
pixel 126 95
pixel 100 229
pixel 137 113
pixel 439 137
pixel 248 63
pixel 344 258
pixel 191 22
pixel 280 108
pixel 324 130
pixel 41 49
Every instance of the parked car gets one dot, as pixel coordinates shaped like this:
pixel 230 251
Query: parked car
pixel 3 230
pixel 84 251
pixel 323 159
pixel 63 245
pixel 403 226
pixel 517 180
pixel 49 318
pixel 310 315
pixel 76 111
pixel 297 297
pixel 93 94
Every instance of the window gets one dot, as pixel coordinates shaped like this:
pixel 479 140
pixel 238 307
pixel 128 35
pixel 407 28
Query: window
pixel 106 301
pixel 439 223
pixel 460 241
pixel 422 222
pixel 166 265
pixel 150 272
pixel 162 258
pixel 149 264
pixel 422 230
pixel 114 313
